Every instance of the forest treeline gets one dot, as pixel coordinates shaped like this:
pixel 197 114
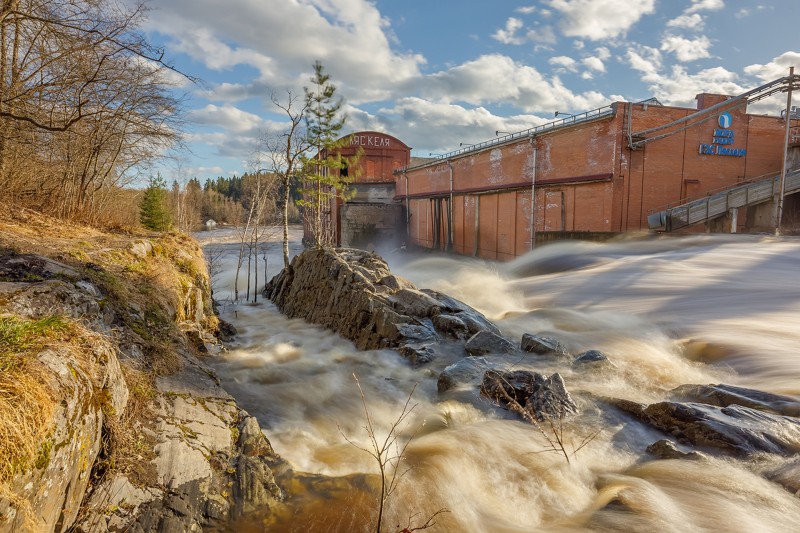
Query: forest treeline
pixel 223 200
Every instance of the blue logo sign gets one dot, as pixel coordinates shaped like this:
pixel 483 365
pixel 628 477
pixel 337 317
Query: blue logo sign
pixel 725 120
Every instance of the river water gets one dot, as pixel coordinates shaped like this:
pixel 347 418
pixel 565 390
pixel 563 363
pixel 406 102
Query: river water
pixel 667 311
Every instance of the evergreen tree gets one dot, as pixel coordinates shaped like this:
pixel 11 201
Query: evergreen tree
pixel 323 178
pixel 153 208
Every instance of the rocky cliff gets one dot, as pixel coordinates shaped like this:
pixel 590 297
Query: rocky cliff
pixel 109 419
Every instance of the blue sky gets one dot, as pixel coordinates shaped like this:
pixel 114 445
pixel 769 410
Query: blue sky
pixel 436 73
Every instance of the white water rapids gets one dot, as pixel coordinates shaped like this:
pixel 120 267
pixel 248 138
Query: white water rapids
pixel 667 311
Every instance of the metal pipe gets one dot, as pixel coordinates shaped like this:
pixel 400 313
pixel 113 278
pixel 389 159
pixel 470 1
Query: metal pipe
pixel 450 210
pixel 533 196
pixel 785 152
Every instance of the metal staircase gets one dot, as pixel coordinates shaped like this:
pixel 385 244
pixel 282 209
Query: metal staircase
pixel 718 204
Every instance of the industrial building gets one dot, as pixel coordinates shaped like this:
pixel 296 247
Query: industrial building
pixel 626 167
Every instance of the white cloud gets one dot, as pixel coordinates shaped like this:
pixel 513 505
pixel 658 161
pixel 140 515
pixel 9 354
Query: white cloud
pixel 777 68
pixel 705 5
pixel 603 53
pixel 594 63
pixel 331 31
pixel 694 21
pixel 227 117
pixel 439 127
pixel 511 33
pixel 645 59
pixel 687 49
pixel 525 10
pixel 497 78
pixel 508 35
pixel 564 63
pixel 677 86
pixel 600 19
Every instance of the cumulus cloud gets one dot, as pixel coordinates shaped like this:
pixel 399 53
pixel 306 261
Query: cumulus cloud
pixel 603 53
pixel 694 21
pixel 497 78
pixel 509 35
pixel 564 63
pixel 439 127
pixel 776 68
pixel 227 117
pixel 600 19
pixel 705 5
pixel 594 63
pixel 645 59
pixel 687 49
pixel 512 33
pixel 331 30
pixel 525 10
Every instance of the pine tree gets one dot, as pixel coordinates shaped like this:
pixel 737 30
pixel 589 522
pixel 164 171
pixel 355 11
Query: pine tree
pixel 324 180
pixel 153 208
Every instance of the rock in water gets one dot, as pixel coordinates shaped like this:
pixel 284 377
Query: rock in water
pixel 486 342
pixel 734 430
pixel 542 345
pixel 353 293
pixel 725 395
pixel 531 395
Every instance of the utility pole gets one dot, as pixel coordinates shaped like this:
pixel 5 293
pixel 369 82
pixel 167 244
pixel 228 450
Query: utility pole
pixel 788 118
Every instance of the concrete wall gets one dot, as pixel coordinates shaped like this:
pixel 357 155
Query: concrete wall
pixel 372 227
pixel 372 193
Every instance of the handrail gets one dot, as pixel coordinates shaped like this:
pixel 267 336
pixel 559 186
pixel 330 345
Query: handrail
pixel 586 116
pixel 723 188
pixel 710 207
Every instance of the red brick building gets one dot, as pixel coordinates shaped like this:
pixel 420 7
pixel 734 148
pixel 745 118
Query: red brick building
pixel 370 217
pixel 591 175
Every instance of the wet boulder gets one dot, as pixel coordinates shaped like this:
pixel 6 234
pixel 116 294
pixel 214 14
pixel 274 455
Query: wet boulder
pixel 418 353
pixel 531 395
pixel 465 372
pixel 473 319
pixel 486 342
pixel 666 449
pixel 450 325
pixel 591 358
pixel 539 344
pixel 725 395
pixel 353 293
pixel 734 430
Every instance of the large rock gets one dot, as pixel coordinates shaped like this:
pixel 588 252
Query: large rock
pixel 734 430
pixel 466 372
pixel 542 345
pixel 724 395
pixel 486 342
pixel 531 395
pixel 353 293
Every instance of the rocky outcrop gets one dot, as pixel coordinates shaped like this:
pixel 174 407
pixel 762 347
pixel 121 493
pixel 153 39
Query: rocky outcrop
pixel 353 293
pixel 531 395
pixel 733 430
pixel 542 345
pixel 724 395
pixel 204 461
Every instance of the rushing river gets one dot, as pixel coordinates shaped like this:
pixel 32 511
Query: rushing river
pixel 668 311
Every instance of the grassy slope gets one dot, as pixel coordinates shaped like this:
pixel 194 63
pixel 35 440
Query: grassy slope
pixel 146 293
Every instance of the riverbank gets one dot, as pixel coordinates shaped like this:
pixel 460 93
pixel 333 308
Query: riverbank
pixel 110 417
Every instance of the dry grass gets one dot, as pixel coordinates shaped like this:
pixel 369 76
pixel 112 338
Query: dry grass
pixel 26 403
pixel 129 444
pixel 147 296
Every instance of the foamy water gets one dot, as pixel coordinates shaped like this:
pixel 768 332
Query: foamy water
pixel 667 312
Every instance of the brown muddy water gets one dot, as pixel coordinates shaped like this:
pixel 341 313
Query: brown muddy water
pixel 672 311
